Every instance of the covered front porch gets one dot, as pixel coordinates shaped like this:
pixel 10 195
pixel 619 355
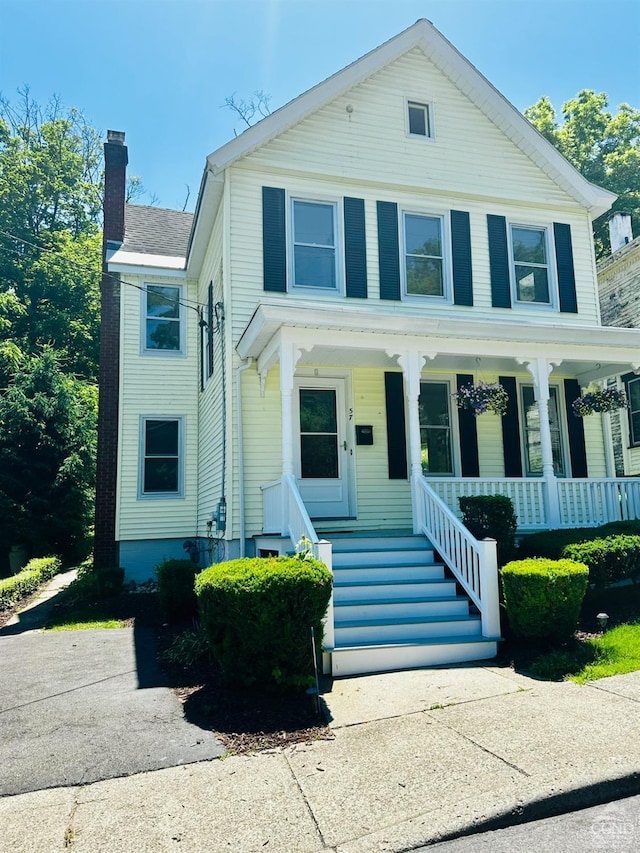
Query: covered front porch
pixel 371 438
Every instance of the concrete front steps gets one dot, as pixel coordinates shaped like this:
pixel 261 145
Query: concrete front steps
pixel 394 608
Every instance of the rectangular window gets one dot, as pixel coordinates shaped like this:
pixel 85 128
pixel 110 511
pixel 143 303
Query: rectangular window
pixel 531 425
pixel 633 396
pixel 531 275
pixel 419 119
pixel 163 318
pixel 161 457
pixel 424 264
pixel 314 237
pixel 435 428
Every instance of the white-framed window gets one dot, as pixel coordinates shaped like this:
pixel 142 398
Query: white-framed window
pixel 532 276
pixel 531 432
pixel 425 251
pixel 315 256
pixel 420 119
pixel 436 435
pixel 161 473
pixel 163 319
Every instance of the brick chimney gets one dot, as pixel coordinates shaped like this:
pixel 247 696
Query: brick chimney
pixel 115 181
pixel 106 551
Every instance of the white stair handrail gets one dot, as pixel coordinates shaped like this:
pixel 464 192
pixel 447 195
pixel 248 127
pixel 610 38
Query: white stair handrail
pixel 474 563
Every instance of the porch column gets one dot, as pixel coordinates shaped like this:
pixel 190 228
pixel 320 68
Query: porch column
pixel 412 364
pixel 540 368
pixel 288 357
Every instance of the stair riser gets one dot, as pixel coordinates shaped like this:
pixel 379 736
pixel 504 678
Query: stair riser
pixel 382 592
pixel 381 543
pixel 414 609
pixel 417 557
pixel 411 631
pixel 389 573
pixel 360 661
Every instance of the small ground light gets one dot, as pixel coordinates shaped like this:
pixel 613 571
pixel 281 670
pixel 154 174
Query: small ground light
pixel 602 618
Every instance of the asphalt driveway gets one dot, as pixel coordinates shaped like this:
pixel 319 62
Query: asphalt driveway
pixel 80 706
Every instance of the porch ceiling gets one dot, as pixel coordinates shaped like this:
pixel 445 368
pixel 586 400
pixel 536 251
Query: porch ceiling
pixel 351 336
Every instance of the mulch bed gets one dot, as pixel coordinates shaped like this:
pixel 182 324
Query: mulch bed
pixel 244 720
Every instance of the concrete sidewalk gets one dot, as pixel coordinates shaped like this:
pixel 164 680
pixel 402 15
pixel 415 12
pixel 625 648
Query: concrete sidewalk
pixel 417 756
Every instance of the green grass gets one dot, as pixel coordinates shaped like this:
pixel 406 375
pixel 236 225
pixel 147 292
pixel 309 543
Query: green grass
pixel 81 626
pixel 614 653
pixel 83 615
pixel 617 652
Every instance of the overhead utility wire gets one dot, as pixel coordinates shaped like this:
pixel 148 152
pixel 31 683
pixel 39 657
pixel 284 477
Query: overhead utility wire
pixel 193 304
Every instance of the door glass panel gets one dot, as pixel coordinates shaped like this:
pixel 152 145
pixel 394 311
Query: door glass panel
pixel 318 433
pixel 319 456
pixel 435 428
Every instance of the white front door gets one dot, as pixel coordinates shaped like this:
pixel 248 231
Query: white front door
pixel 324 455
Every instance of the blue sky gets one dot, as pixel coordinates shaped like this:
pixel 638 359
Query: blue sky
pixel 161 69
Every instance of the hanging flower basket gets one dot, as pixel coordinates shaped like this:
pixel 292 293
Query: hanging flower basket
pixel 599 400
pixel 482 397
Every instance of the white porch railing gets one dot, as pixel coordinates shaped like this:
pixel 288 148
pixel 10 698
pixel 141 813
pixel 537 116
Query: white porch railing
pixel 588 503
pixel 582 502
pixel 473 563
pixel 284 512
pixel 527 495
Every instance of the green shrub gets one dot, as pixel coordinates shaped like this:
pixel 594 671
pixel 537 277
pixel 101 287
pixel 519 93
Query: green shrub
pixel 109 581
pixel 551 543
pixel 36 572
pixel 543 597
pixel 257 614
pixel 611 559
pixel 491 516
pixel 176 589
pixel 92 584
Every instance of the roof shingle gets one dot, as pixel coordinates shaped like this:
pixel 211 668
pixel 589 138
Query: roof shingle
pixel 156 230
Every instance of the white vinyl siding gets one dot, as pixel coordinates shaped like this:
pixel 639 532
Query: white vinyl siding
pixel 210 401
pixel 155 388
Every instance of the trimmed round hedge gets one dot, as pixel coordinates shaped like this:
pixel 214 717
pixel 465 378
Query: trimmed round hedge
pixel 543 597
pixel 257 614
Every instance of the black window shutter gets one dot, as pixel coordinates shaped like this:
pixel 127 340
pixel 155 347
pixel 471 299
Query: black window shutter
pixel 498 261
pixel 355 248
pixel 566 273
pixel 469 461
pixel 210 330
pixel 388 250
pixel 461 251
pixel 274 244
pixel 396 429
pixel 575 426
pixel 511 430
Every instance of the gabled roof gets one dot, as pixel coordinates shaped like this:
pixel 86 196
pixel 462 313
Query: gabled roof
pixel 461 72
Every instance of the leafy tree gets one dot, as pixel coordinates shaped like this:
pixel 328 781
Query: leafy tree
pixel 605 148
pixel 47 459
pixel 50 202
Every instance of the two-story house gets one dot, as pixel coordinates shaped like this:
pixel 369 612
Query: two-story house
pixel 285 364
